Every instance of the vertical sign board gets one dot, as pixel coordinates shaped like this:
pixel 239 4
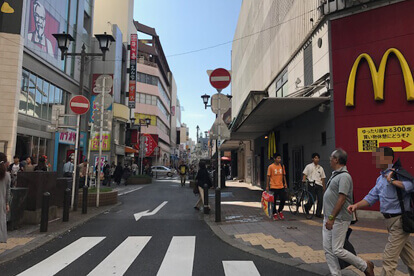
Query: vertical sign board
pixel 133 71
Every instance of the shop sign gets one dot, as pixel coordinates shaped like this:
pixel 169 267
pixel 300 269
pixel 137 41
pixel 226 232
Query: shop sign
pixel 399 138
pixel 69 137
pixel 106 141
pixel 132 71
pixel 378 77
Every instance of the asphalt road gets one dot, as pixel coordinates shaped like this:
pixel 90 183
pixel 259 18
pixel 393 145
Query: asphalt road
pixel 174 241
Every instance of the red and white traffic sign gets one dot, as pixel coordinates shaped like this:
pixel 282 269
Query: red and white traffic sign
pixel 220 78
pixel 79 104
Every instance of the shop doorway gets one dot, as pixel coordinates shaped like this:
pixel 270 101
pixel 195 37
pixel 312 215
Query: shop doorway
pixel 297 163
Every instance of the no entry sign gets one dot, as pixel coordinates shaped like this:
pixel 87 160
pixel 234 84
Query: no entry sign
pixel 220 78
pixel 79 105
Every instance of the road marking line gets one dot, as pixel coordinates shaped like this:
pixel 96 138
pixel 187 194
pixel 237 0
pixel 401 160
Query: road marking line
pixel 240 268
pixel 127 192
pixel 118 262
pixel 63 257
pixel 179 259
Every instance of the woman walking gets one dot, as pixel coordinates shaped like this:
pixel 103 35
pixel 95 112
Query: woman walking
pixel 5 181
pixel 202 178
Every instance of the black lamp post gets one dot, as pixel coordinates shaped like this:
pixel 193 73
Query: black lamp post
pixel 198 128
pixel 63 41
pixel 205 98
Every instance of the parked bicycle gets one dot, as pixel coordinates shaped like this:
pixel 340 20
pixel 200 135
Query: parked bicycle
pixel 300 196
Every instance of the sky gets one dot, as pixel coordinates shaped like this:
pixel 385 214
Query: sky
pixel 190 25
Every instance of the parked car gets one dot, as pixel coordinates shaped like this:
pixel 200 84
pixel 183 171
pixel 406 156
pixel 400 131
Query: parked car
pixel 161 170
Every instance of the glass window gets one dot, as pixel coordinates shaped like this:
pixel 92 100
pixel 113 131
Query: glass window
pixel 45 100
pixel 148 79
pixel 35 149
pixel 154 81
pixel 58 96
pixel 154 100
pixel 39 97
pixel 31 95
pixel 51 99
pixel 23 92
pixel 148 99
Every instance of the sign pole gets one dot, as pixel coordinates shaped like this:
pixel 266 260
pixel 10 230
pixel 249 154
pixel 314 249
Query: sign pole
pixel 89 152
pixel 75 163
pixel 98 167
pixel 218 190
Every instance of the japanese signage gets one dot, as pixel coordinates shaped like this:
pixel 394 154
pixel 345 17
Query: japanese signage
pixel 399 138
pixel 106 141
pixel 69 137
pixel 133 71
pixel 96 162
pixel 378 77
pixel 151 143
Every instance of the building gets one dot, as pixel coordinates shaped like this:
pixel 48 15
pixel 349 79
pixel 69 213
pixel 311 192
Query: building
pixel 34 78
pixel 294 83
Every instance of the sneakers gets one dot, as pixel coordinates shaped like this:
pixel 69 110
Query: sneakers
pixel 278 216
pixel 370 269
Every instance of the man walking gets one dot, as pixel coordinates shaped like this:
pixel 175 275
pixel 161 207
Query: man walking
pixel 314 172
pixel 183 169
pixel 337 198
pixel 276 182
pixel 68 168
pixel 385 191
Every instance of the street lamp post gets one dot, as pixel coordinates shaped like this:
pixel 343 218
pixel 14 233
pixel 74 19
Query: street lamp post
pixel 198 128
pixel 142 141
pixel 63 41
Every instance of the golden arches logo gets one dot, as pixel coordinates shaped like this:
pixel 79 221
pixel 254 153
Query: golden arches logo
pixel 378 77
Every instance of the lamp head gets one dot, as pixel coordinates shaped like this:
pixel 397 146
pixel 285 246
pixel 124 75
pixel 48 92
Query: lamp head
pixel 63 41
pixel 104 42
pixel 205 98
pixel 147 121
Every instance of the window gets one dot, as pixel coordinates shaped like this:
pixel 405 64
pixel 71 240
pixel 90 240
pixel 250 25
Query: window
pixel 148 79
pixel 163 93
pixel 163 109
pixel 281 85
pixel 308 65
pixel 37 96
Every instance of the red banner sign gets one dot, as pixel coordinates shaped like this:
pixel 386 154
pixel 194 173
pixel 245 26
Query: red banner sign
pixel 133 71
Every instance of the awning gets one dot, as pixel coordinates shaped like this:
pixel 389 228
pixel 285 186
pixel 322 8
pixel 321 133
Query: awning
pixel 229 145
pixel 130 150
pixel 272 112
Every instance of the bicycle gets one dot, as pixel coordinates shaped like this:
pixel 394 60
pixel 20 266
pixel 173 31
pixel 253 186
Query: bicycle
pixel 300 196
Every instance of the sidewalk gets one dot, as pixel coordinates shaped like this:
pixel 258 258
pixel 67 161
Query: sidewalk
pixel 295 241
pixel 28 237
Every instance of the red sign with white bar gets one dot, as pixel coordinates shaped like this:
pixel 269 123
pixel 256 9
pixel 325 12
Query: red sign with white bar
pixel 79 105
pixel 220 78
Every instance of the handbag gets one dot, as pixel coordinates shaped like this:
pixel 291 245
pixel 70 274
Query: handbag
pixel 406 216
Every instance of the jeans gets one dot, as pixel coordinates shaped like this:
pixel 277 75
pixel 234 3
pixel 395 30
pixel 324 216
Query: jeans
pixel 333 244
pixel 281 193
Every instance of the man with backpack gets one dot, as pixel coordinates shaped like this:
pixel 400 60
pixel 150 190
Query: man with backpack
pixel 386 192
pixel 183 169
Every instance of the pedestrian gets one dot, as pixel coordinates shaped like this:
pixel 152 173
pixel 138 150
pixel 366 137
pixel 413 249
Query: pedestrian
pixel 83 173
pixel 314 172
pixel 134 168
pixel 14 169
pixel 29 166
pixel 118 174
pixel 68 168
pixel 337 198
pixel 276 183
pixel 126 173
pixel 202 178
pixel 5 182
pixel 107 174
pixel 41 165
pixel 183 169
pixel 385 191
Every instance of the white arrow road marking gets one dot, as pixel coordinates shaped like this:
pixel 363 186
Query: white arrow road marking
pixel 240 268
pixel 147 213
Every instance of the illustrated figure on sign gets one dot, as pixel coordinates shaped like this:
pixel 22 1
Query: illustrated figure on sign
pixel 38 36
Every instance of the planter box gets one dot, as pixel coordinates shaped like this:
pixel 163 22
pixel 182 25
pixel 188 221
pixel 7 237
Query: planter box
pixel 138 181
pixel 107 198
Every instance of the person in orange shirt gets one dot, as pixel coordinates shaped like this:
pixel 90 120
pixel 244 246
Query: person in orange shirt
pixel 276 182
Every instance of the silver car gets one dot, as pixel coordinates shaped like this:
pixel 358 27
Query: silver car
pixel 161 170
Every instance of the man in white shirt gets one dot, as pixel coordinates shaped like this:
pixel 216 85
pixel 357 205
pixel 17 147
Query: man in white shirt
pixel 315 173
pixel 68 168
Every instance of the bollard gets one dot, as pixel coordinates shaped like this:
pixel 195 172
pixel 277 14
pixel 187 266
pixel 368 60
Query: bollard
pixel 45 212
pixel 218 204
pixel 85 200
pixel 66 205
pixel 206 208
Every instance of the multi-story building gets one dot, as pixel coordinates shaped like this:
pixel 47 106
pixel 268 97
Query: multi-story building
pixel 297 67
pixel 34 78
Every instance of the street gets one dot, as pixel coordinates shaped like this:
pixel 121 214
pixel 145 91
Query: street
pixel 171 240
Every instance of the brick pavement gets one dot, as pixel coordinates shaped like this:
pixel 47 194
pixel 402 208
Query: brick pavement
pixel 296 238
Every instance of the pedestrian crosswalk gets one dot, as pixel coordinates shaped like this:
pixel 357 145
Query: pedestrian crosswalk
pixel 178 259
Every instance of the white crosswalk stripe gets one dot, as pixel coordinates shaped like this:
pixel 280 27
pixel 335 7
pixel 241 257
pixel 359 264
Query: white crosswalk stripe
pixel 63 258
pixel 118 262
pixel 179 258
pixel 240 268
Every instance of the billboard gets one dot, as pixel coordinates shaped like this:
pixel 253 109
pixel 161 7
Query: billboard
pixel 372 63
pixel 133 71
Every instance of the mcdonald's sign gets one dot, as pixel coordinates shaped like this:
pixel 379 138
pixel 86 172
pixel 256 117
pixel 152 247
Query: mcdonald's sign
pixel 378 77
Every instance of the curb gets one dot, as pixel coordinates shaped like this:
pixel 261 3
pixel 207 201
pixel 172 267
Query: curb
pixel 39 241
pixel 227 239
